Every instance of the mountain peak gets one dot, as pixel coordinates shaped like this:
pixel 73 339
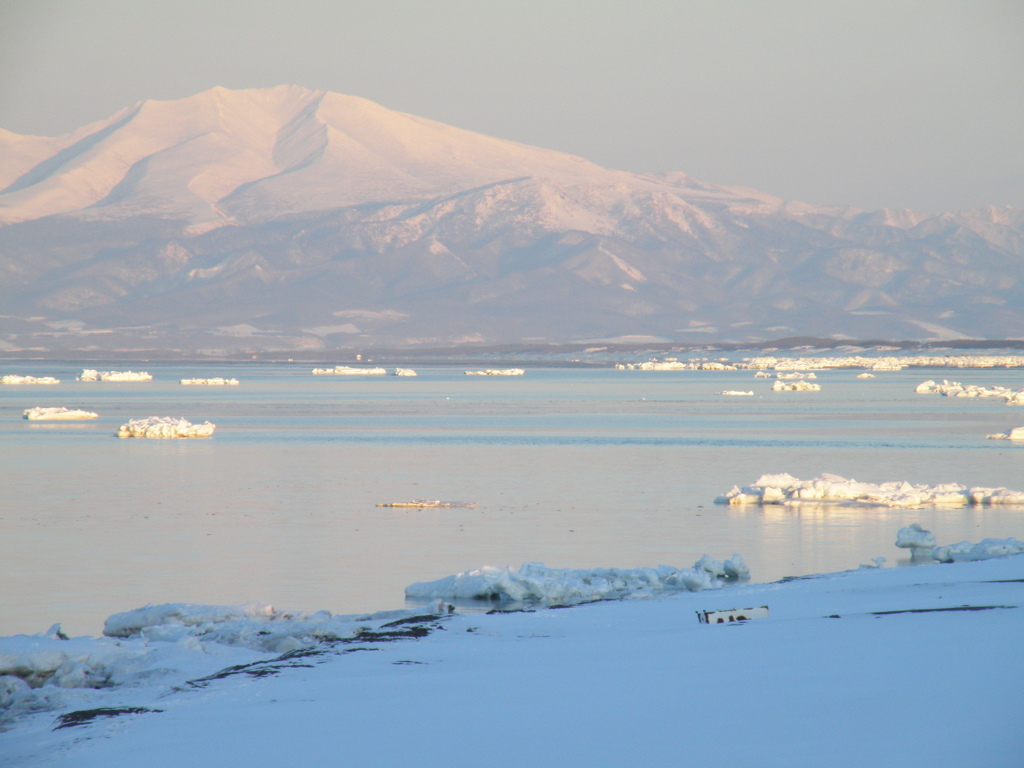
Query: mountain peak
pixel 230 155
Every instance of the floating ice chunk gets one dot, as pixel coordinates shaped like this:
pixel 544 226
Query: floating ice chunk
pixel 165 426
pixel 552 586
pixel 91 375
pixel 217 381
pixel 15 379
pixel 405 372
pixel 983 550
pixel 786 489
pixel 795 386
pixel 865 375
pixel 61 413
pixel 919 541
pixel 1016 433
pixel 347 370
pixel 736 393
pixel 956 389
pixel 497 372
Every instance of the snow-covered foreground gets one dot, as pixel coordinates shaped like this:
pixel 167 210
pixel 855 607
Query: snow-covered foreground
pixel 874 667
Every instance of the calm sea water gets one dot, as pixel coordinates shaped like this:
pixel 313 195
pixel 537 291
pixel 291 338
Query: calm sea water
pixel 570 467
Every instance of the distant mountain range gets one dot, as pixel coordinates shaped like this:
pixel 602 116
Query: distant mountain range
pixel 288 219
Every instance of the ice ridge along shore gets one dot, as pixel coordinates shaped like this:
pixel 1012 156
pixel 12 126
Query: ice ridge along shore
pixel 786 489
pixel 561 586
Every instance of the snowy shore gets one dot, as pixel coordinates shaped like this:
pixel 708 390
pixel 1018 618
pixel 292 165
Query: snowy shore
pixel 878 666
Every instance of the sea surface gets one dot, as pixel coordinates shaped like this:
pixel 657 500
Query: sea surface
pixel 572 467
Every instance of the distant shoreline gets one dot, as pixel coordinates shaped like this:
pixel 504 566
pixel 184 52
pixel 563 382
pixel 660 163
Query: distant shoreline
pixel 547 354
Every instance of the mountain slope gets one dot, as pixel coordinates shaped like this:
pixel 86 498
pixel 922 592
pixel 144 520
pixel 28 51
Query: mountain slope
pixel 285 218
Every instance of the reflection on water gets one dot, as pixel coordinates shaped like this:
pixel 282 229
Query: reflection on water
pixel 573 468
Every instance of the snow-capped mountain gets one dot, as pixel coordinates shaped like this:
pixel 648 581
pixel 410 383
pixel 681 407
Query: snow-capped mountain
pixel 286 218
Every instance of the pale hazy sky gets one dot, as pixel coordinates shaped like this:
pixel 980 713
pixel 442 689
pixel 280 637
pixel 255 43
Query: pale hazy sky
pixel 916 103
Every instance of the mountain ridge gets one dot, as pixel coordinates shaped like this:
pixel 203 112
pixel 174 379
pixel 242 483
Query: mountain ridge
pixel 298 219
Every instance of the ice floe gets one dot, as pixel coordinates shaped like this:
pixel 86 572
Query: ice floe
pixel 865 375
pixel 497 372
pixel 90 375
pixel 58 413
pixel 786 489
pixel 164 427
pixel 405 372
pixel 15 379
pixel 736 392
pixel 347 370
pixel 216 381
pixel 1015 433
pixel 796 386
pixel 956 389
pixel 533 582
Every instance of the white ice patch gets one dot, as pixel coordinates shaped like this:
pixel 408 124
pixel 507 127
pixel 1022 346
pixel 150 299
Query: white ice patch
pixel 671 364
pixel 922 546
pixel 90 375
pixel 15 379
pixel 348 370
pixel 986 549
pixel 884 363
pixel 795 386
pixel 216 381
pixel 165 427
pixel 533 582
pixel 919 541
pixel 736 393
pixel 58 414
pixel 956 389
pixel 1016 433
pixel 786 489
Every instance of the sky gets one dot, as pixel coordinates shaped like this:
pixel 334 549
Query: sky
pixel 873 103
